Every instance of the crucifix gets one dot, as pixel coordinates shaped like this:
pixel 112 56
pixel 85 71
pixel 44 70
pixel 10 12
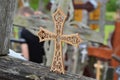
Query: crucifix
pixel 59 18
pixel 98 67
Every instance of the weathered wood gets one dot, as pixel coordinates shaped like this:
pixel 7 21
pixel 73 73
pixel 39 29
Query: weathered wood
pixel 102 19
pixel 7 8
pixel 97 22
pixel 15 69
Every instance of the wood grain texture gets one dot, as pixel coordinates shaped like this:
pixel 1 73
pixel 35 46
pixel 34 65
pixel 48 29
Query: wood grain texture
pixel 15 69
pixel 7 8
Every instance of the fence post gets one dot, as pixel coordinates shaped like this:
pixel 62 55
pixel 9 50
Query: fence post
pixel 7 8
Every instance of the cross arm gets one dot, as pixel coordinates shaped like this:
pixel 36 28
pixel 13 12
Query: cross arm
pixel 98 65
pixel 101 52
pixel 46 35
pixel 73 39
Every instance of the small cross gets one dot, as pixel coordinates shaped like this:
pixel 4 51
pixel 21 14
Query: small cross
pixel 98 66
pixel 59 18
pixel 84 54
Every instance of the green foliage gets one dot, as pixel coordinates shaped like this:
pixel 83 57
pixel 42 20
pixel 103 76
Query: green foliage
pixel 108 30
pixel 110 16
pixel 34 4
pixel 46 1
pixel 111 5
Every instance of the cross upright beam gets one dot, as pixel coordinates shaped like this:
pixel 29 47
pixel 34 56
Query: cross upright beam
pixel 59 19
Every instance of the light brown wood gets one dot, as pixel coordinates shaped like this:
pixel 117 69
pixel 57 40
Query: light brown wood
pixel 59 18
pixel 98 67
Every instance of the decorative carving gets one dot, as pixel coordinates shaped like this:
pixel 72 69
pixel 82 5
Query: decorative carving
pixel 59 18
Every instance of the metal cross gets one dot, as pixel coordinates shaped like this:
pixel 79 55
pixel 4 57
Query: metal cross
pixel 73 39
pixel 98 66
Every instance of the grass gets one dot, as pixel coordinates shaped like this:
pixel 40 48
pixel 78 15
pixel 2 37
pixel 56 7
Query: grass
pixel 110 16
pixel 35 3
pixel 108 30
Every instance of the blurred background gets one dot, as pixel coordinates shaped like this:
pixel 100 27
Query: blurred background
pixel 38 10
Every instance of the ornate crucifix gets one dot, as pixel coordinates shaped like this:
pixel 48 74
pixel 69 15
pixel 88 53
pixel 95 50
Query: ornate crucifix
pixel 73 39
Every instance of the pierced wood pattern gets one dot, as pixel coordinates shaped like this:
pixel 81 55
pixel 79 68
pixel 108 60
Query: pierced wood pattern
pixel 46 35
pixel 72 39
pixel 59 18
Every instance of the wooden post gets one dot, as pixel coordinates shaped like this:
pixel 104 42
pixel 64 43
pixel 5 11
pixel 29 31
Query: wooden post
pixel 7 8
pixel 115 44
pixel 41 6
pixel 102 19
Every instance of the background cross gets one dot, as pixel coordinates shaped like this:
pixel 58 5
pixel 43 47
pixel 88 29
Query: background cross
pixel 98 66
pixel 74 39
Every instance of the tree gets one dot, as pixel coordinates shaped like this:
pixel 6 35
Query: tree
pixel 7 8
pixel 111 6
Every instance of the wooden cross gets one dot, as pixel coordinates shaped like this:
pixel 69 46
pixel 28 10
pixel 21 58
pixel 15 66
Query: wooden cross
pixel 98 66
pixel 73 39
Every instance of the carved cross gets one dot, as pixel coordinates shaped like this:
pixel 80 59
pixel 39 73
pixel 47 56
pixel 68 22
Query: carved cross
pixel 73 39
pixel 98 66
